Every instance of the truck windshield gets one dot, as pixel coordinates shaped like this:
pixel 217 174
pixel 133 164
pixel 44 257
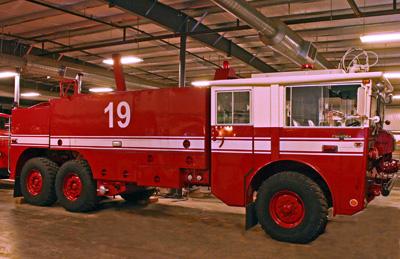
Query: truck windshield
pixel 322 105
pixel 4 123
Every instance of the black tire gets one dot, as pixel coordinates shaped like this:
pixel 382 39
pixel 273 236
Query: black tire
pixel 46 170
pixel 143 194
pixel 312 199
pixel 86 198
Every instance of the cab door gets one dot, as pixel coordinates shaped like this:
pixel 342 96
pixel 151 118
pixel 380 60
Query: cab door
pixel 232 141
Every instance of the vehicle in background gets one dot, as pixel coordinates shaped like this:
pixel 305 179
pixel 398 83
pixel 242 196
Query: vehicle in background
pixel 4 144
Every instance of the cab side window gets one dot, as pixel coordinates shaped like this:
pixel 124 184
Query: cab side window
pixel 322 105
pixel 233 107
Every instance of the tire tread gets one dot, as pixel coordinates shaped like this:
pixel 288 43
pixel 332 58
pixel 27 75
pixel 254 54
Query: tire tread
pixel 91 200
pixel 51 169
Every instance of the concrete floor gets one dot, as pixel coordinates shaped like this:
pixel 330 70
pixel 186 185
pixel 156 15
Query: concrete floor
pixel 185 229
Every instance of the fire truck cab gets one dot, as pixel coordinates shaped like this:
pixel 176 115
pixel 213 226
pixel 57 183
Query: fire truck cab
pixel 287 146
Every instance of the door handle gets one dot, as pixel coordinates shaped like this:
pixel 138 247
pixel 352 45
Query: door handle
pixel 222 142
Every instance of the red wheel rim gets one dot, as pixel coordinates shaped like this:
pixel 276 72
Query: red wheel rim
pixel 34 182
pixel 72 186
pixel 287 209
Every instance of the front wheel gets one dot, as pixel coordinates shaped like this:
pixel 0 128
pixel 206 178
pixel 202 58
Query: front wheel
pixel 75 187
pixel 292 208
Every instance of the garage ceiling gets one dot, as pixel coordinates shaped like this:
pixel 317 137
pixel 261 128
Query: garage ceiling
pixel 43 36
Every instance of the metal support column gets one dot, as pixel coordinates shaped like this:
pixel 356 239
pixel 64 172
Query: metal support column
pixel 17 88
pixel 182 61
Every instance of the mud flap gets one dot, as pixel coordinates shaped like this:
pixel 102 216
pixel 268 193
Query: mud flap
pixel 17 188
pixel 251 215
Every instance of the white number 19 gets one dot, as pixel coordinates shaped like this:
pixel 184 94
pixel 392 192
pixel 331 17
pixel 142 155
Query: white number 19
pixel 123 112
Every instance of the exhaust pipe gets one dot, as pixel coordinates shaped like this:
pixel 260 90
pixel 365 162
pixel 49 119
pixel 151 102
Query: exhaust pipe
pixel 277 35
pixel 118 73
pixel 79 79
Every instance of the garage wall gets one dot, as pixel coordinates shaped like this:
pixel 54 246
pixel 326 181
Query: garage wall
pixel 392 113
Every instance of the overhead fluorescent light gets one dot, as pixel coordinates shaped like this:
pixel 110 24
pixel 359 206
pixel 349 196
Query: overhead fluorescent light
pixel 101 90
pixel 396 97
pixel 201 83
pixel 387 37
pixel 392 75
pixel 6 74
pixel 30 94
pixel 124 60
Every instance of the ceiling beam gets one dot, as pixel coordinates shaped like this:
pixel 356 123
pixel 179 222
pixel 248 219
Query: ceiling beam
pixel 47 13
pixel 85 28
pixel 354 7
pixel 113 25
pixel 177 21
pixel 14 53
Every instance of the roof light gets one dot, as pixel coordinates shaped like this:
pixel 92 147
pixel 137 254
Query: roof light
pixel 392 75
pixel 30 94
pixel 124 60
pixel 201 83
pixel 101 90
pixel 6 74
pixel 387 37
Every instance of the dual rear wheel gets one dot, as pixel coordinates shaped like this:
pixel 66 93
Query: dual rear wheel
pixel 43 183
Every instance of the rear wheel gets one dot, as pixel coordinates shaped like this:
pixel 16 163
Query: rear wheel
pixel 75 187
pixel 292 208
pixel 141 194
pixel 37 181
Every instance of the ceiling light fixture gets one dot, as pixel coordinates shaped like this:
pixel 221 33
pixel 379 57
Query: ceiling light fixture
pixel 201 83
pixel 30 94
pixel 6 74
pixel 124 60
pixel 375 38
pixel 396 97
pixel 392 75
pixel 101 90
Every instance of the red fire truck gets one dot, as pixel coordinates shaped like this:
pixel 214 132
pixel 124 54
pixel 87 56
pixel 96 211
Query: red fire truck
pixel 4 144
pixel 287 146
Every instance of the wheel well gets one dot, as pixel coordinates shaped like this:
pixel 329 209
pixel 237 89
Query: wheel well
pixel 57 156
pixel 289 165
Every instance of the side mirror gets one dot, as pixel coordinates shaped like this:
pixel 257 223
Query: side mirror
pixel 361 101
pixel 375 119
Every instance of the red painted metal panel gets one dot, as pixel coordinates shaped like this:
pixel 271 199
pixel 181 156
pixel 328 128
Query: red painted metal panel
pixel 33 120
pixel 4 141
pixel 161 121
pixel 232 159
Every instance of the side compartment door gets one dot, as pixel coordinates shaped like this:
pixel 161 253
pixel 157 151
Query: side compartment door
pixel 232 135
